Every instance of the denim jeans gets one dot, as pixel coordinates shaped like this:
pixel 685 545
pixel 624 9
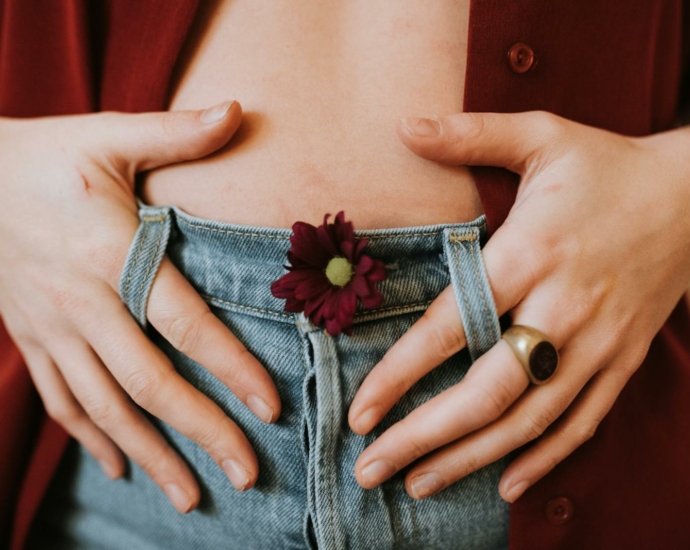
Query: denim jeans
pixel 306 495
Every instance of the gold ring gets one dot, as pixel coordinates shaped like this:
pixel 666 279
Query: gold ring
pixel 535 352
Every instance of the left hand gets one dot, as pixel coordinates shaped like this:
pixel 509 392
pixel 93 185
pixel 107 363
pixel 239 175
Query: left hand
pixel 595 253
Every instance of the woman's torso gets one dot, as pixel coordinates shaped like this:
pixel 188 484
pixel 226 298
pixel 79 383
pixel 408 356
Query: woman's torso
pixel 321 86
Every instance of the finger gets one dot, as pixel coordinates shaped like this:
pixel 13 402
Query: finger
pixel 180 315
pixel 490 387
pixel 61 406
pixel 529 418
pixel 437 335
pixel 580 425
pixel 508 140
pixel 146 374
pixel 495 381
pixel 143 141
pixel 113 412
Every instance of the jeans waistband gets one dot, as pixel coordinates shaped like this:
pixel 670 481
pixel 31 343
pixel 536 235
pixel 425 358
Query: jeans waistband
pixel 233 265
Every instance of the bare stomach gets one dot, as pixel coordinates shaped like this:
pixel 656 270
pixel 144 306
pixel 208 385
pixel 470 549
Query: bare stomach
pixel 322 85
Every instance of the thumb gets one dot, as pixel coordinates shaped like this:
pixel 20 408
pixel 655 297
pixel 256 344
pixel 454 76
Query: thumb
pixel 482 139
pixel 144 141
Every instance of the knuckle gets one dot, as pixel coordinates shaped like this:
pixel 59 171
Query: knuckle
pixel 472 125
pixel 548 122
pixel 153 458
pixel 184 331
pixel 536 423
pixel 24 340
pixel 584 432
pixel 143 386
pixel 548 462
pixel 106 259
pixel 470 463
pixel 101 411
pixel 64 297
pixel 418 447
pixel 64 413
pixel 400 384
pixel 169 126
pixel 496 399
pixel 443 340
pixel 210 435
pixel 240 371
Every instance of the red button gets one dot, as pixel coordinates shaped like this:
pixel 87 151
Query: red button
pixel 521 58
pixel 559 510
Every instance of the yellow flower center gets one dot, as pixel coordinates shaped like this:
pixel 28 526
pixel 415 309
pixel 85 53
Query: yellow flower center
pixel 339 271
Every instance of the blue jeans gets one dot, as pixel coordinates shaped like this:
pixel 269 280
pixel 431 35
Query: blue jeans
pixel 306 495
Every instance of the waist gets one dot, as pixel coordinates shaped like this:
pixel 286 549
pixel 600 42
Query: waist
pixel 233 265
pixel 321 87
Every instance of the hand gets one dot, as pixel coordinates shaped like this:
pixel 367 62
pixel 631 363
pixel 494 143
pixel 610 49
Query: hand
pixel 595 253
pixel 69 217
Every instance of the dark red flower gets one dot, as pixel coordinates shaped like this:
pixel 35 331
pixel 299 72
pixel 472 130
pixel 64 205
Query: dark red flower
pixel 328 273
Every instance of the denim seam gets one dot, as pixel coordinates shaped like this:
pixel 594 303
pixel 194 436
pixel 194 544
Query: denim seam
pixel 408 406
pixel 464 296
pixel 462 238
pixel 361 317
pixel 269 236
pixel 156 218
pixel 487 313
pixel 140 246
pixel 148 269
pixel 235 304
pixel 303 417
pixel 332 483
pixel 232 232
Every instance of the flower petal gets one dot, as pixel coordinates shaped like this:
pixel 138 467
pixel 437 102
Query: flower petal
pixel 373 301
pixel 308 289
pixel 361 286
pixel 307 246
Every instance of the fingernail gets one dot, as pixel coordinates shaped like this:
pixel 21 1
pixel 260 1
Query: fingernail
pixel 110 470
pixel 367 419
pixel 377 472
pixel 178 497
pixel 236 473
pixel 259 407
pixel 422 127
pixel 424 485
pixel 216 113
pixel 517 489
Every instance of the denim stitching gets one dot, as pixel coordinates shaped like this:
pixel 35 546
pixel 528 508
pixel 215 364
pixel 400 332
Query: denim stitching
pixel 304 341
pixel 150 218
pixel 392 308
pixel 408 406
pixel 332 484
pixel 462 238
pixel 362 316
pixel 140 246
pixel 214 299
pixel 148 269
pixel 269 236
pixel 230 231
pixel 481 293
pixel 464 295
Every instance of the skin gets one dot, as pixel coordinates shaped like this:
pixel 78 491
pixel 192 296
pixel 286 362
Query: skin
pixel 71 212
pixel 324 111
pixel 595 253
pixel 577 182
pixel 321 85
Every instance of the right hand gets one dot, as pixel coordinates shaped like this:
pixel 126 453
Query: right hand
pixel 69 216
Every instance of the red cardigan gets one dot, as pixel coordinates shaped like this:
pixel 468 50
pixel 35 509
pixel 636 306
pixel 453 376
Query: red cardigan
pixel 615 64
